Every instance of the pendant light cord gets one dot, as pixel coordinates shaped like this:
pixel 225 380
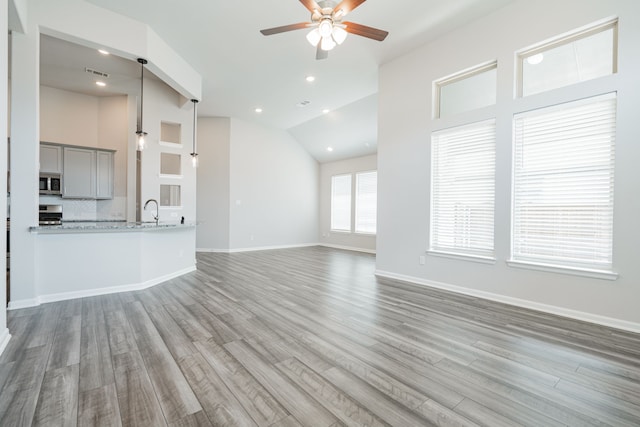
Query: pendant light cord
pixel 142 63
pixel 195 109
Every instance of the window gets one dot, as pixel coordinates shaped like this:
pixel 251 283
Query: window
pixel 583 56
pixel 341 203
pixel 463 189
pixel 563 184
pixel 466 91
pixel 366 202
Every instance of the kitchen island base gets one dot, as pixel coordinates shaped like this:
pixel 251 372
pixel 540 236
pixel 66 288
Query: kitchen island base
pixel 84 261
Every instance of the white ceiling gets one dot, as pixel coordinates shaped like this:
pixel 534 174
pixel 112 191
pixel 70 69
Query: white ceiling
pixel 242 69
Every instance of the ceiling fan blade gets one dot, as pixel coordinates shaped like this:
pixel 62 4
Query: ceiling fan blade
pixel 284 28
pixel 310 4
pixel 364 31
pixel 321 54
pixel 348 5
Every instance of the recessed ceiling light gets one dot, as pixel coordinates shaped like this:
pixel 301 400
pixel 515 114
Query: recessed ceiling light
pixel 325 111
pixel 329 149
pixel 101 84
pixel 104 52
pixel 258 110
pixel 310 78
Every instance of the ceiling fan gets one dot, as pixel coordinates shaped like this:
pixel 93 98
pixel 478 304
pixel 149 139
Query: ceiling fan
pixel 328 28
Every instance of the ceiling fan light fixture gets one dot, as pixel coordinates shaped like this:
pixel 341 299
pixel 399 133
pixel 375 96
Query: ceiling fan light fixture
pixel 325 28
pixel 314 37
pixel 339 34
pixel 327 43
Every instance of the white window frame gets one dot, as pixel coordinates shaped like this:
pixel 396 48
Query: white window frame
pixel 454 78
pixel 356 198
pixel 562 40
pixel 602 270
pixel 340 230
pixel 473 248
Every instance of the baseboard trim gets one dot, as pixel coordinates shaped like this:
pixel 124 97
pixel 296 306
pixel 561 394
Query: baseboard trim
pixel 546 308
pixel 43 299
pixel 5 336
pixel 23 303
pixel 257 248
pixel 347 248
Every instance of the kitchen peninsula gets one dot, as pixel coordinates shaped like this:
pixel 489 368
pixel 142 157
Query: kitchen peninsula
pixel 83 259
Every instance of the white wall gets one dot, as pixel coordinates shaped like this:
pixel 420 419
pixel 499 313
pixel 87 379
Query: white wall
pixel 352 240
pixel 273 189
pixel 24 160
pixel 405 126
pixel 113 133
pixel 68 117
pixel 214 144
pixel 161 103
pixel 4 64
pixel 257 188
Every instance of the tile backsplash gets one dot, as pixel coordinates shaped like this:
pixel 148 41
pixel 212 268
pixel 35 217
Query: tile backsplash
pixel 89 210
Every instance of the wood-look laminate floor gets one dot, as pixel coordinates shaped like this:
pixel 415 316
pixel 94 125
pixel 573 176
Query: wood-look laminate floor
pixel 310 337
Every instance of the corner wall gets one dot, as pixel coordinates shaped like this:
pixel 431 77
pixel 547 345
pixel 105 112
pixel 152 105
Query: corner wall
pixel 405 126
pixel 214 136
pixel 257 188
pixel 273 189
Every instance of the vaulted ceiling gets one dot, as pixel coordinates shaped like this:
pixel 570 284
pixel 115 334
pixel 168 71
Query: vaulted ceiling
pixel 243 70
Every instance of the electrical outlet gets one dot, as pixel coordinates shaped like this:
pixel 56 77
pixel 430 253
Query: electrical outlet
pixel 422 260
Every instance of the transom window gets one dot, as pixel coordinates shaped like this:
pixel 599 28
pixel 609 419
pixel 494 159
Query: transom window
pixel 582 56
pixel 466 90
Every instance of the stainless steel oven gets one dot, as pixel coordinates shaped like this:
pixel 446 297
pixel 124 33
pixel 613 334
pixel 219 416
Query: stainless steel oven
pixel 50 215
pixel 51 183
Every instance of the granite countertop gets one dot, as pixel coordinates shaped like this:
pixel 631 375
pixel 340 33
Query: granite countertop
pixel 107 226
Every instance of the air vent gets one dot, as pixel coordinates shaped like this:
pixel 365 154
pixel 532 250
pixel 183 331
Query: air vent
pixel 303 103
pixel 96 72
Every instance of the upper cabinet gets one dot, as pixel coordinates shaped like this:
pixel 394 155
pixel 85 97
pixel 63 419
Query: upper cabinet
pixel 79 175
pixel 104 175
pixel 50 158
pixel 87 173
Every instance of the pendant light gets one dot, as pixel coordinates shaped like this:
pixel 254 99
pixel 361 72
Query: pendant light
pixel 140 132
pixel 194 154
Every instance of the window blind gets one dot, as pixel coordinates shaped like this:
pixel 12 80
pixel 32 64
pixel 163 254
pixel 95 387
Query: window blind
pixel 463 189
pixel 366 202
pixel 341 202
pixel 563 184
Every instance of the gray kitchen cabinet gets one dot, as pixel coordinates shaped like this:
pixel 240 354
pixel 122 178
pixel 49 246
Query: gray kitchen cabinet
pixel 50 158
pixel 79 176
pixel 104 175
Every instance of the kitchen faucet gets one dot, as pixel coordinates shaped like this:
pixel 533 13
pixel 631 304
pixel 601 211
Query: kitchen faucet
pixel 157 215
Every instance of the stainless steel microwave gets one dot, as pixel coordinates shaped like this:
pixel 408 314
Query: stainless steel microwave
pixel 51 183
